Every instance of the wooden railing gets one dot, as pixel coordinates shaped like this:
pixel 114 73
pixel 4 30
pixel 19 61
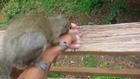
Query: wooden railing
pixel 114 39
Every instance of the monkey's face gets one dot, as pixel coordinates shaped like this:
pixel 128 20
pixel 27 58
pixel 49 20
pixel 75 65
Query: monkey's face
pixel 65 24
pixel 66 27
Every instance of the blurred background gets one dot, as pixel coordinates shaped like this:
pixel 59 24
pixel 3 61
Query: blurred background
pixel 84 12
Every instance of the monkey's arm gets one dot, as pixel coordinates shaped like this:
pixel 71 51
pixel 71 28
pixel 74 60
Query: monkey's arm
pixel 58 42
pixel 49 55
pixel 62 44
pixel 55 38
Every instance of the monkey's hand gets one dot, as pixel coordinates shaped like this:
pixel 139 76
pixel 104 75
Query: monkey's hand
pixel 63 45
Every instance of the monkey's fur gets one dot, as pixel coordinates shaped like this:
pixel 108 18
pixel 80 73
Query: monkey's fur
pixel 26 39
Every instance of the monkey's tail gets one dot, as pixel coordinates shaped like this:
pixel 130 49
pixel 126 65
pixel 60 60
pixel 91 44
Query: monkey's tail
pixel 5 67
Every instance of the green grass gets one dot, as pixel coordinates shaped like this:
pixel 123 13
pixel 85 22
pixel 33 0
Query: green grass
pixel 14 7
pixel 108 77
pixel 89 61
pixel 104 65
pixel 118 7
pixel 56 76
pixel 65 58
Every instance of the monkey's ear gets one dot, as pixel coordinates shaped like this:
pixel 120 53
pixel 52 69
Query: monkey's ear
pixel 63 12
pixel 70 19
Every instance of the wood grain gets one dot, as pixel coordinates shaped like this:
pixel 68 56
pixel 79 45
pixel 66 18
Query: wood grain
pixel 117 37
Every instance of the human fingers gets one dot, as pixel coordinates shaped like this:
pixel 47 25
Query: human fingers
pixel 73 26
pixel 78 41
pixel 73 31
pixel 76 44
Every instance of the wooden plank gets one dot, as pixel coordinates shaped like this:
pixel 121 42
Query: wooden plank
pixel 88 71
pixel 117 37
pixel 96 71
pixel 122 53
pixel 121 38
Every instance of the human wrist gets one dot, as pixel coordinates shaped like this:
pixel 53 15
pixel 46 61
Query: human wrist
pixel 43 66
pixel 52 52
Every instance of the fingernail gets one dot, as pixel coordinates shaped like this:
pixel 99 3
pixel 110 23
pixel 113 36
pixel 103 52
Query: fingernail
pixel 73 25
pixel 77 37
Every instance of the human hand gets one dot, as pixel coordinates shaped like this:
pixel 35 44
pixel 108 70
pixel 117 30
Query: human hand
pixel 52 54
pixel 73 45
pixel 76 44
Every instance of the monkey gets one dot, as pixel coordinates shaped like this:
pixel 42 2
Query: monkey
pixel 26 39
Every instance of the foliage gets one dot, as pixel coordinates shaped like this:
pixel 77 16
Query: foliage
pixel 14 7
pixel 89 61
pixel 103 65
pixel 56 64
pixel 10 8
pixel 108 77
pixel 85 5
pixel 56 76
pixel 2 3
pixel 50 3
pixel 10 11
pixel 97 4
pixel 118 7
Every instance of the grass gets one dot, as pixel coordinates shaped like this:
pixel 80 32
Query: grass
pixel 118 7
pixel 89 61
pixel 104 65
pixel 14 7
pixel 56 76
pixel 108 77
